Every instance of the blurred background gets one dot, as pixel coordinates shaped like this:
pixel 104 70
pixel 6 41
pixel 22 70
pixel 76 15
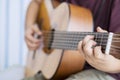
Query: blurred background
pixel 13 49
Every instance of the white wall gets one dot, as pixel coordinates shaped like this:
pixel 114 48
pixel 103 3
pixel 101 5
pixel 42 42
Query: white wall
pixel 12 46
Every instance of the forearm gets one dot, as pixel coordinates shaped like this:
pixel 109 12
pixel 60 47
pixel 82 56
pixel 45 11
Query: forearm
pixel 32 12
pixel 116 66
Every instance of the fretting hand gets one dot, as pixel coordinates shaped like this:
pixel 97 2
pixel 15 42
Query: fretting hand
pixel 95 57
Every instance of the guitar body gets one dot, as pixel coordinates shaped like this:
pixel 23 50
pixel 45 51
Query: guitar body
pixel 69 17
pixel 57 64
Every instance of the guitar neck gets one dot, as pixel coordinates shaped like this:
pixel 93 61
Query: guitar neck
pixel 70 40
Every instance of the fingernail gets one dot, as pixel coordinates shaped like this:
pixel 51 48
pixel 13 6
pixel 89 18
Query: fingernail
pixel 80 41
pixel 99 28
pixel 95 43
pixel 92 36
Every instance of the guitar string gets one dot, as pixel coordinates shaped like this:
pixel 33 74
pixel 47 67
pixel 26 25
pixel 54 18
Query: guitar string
pixel 77 39
pixel 66 44
pixel 77 44
pixel 103 48
pixel 115 47
pixel 76 35
pixel 101 45
pixel 118 50
pixel 78 32
pixel 61 32
pixel 72 32
pixel 69 36
pixel 100 38
pixel 72 42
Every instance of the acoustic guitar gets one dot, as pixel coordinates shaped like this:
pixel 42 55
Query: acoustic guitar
pixel 58 56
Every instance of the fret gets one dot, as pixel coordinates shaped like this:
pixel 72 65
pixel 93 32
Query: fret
pixel 99 39
pixel 70 40
pixel 104 42
pixel 96 39
pixel 65 46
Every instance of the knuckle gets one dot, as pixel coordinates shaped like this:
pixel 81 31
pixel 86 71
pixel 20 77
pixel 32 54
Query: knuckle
pixel 90 62
pixel 36 45
pixel 31 48
pixel 80 49
pixel 96 49
pixel 29 45
pixel 85 39
pixel 98 56
pixel 29 37
pixel 88 36
pixel 27 33
pixel 86 49
pixel 33 45
pixel 28 30
pixel 36 28
pixel 26 36
pixel 35 40
pixel 34 48
pixel 79 44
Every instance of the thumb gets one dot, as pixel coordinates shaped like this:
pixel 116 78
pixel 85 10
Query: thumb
pixel 36 29
pixel 99 29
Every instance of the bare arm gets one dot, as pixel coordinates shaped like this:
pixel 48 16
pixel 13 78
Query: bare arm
pixel 32 11
pixel 31 27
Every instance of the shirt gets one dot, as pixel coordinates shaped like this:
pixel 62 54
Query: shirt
pixel 106 14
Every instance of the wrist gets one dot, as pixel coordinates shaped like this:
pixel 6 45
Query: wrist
pixel 37 1
pixel 116 67
pixel 27 26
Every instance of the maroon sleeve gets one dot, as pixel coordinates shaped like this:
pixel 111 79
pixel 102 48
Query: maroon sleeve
pixel 115 17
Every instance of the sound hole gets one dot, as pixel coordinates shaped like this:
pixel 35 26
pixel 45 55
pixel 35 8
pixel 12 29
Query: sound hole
pixel 48 40
pixel 39 72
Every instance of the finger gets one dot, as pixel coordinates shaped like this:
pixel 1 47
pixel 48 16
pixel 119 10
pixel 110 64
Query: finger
pixel 88 48
pixel 80 47
pixel 36 29
pixel 98 53
pixel 100 30
pixel 31 38
pixel 29 31
pixel 86 39
pixel 32 46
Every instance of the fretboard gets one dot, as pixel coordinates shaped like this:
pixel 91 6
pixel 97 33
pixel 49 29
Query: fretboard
pixel 70 40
